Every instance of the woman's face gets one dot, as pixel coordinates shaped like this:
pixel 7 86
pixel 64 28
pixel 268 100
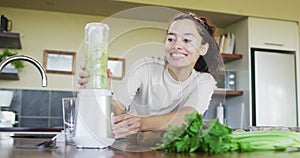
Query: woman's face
pixel 183 44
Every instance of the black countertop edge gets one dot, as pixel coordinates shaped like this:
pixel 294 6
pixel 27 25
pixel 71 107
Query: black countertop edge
pixel 29 129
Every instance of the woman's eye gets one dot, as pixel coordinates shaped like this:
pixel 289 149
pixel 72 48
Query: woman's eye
pixel 170 39
pixel 187 40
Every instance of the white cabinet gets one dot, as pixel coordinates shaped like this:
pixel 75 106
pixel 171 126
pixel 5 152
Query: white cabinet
pixel 268 34
pixel 272 34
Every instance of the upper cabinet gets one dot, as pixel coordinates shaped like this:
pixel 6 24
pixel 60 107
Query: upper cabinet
pixel 272 34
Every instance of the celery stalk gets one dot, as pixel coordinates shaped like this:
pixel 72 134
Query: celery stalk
pixel 213 137
pixel 266 140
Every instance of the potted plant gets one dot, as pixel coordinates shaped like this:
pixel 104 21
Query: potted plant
pixel 16 64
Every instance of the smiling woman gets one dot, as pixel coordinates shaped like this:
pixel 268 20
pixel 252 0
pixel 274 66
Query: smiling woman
pixel 155 94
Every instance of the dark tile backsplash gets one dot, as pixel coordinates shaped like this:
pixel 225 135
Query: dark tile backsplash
pixel 16 102
pixel 56 102
pixel 39 108
pixel 34 122
pixel 35 103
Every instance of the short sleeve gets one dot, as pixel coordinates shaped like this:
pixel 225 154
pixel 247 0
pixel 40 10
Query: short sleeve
pixel 201 95
pixel 129 86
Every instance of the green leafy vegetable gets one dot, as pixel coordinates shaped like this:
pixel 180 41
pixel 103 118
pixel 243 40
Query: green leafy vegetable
pixel 96 66
pixel 213 137
pixel 17 64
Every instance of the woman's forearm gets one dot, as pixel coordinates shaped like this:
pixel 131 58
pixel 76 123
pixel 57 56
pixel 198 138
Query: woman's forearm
pixel 118 108
pixel 161 122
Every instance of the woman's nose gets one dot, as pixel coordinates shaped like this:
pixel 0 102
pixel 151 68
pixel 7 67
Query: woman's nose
pixel 177 45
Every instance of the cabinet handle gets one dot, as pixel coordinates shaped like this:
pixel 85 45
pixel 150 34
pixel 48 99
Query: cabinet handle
pixel 274 44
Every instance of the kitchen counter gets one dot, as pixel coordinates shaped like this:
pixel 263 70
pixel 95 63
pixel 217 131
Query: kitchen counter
pixel 29 129
pixel 120 149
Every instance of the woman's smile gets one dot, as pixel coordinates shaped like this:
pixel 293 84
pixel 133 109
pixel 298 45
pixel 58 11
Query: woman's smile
pixel 178 55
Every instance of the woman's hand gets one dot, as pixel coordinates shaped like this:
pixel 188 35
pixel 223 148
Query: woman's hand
pixel 126 124
pixel 84 77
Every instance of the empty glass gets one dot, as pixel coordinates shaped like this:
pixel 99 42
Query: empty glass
pixel 69 110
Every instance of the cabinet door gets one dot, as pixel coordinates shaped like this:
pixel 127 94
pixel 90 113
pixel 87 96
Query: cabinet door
pixel 273 34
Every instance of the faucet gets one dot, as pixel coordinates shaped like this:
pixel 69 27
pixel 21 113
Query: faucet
pixel 29 59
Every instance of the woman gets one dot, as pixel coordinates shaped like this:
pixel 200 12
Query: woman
pixel 156 94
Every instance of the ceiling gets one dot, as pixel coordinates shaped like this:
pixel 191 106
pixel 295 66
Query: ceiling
pixel 110 7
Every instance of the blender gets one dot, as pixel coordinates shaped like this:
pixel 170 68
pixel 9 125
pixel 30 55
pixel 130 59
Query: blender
pixel 95 110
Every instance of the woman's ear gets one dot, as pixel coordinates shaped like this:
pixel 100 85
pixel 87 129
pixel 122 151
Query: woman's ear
pixel 203 49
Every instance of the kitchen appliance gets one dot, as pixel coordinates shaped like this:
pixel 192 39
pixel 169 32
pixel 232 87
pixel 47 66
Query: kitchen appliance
pixel 95 46
pixel 273 74
pixel 8 117
pixel 6 98
pixel 94 119
pixel 93 122
pixel 228 81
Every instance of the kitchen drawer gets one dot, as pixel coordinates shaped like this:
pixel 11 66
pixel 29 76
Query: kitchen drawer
pixel 273 34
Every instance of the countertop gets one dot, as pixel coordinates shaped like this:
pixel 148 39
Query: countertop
pixel 120 149
pixel 29 129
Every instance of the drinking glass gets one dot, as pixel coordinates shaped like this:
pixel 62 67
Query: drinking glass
pixel 69 108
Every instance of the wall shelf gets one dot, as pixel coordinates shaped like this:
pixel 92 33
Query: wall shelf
pixel 10 40
pixel 228 92
pixel 9 74
pixel 231 57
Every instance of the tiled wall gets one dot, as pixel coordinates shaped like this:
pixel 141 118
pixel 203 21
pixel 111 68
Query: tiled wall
pixel 39 108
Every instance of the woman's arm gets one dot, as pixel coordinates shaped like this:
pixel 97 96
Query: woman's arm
pixel 118 108
pixel 161 122
pixel 130 123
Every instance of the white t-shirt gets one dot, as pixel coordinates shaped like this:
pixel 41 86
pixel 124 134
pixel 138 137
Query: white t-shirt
pixel 149 89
